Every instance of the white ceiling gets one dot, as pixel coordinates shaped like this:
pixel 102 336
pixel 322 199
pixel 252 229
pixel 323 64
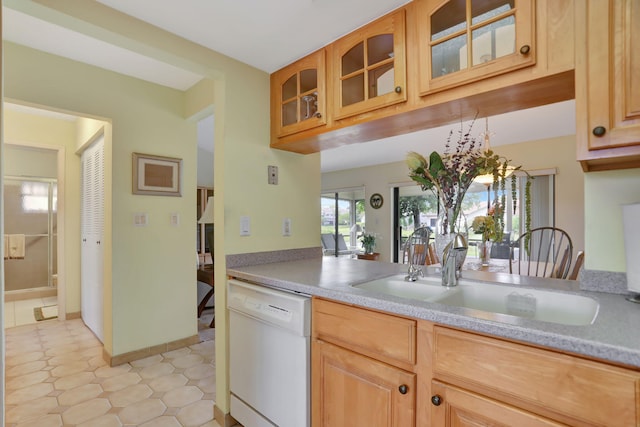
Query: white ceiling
pixel 267 34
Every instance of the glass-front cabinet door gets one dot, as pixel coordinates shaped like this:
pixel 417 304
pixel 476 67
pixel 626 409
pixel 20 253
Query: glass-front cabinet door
pixel 369 67
pixel 461 41
pixel 299 96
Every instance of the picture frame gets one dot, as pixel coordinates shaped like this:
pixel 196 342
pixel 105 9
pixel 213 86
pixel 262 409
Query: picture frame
pixel 157 175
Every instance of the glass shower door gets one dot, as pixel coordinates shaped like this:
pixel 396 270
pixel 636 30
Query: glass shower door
pixel 30 224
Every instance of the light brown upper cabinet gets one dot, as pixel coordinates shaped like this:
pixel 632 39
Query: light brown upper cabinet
pixel 299 95
pixel 608 84
pixel 369 67
pixel 461 41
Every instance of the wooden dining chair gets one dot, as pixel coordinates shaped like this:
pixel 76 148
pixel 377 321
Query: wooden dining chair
pixel 575 271
pixel 431 254
pixel 542 252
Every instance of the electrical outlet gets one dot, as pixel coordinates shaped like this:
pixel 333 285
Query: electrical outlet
pixel 273 175
pixel 286 227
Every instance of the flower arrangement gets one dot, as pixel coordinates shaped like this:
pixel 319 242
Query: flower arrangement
pixel 368 242
pixel 449 176
pixel 486 226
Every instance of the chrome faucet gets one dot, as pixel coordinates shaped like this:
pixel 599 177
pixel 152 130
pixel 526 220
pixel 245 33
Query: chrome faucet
pixel 450 269
pixel 416 248
pixel 413 272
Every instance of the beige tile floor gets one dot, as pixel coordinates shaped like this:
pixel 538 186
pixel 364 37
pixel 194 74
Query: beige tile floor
pixel 55 376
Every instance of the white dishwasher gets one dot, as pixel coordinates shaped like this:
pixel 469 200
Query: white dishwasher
pixel 269 356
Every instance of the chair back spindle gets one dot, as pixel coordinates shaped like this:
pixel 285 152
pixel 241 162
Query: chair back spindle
pixel 542 252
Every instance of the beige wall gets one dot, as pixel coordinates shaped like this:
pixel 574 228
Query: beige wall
pixel 605 193
pixel 556 153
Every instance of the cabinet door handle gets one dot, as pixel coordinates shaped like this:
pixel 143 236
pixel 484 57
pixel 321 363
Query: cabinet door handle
pixel 318 115
pixel 403 389
pixel 525 49
pixel 436 399
pixel 599 130
pixel 398 89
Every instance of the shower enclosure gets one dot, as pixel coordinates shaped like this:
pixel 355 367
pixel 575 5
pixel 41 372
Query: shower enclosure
pixel 30 217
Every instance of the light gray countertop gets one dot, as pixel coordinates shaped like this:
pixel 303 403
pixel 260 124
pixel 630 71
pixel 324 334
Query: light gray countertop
pixel 612 337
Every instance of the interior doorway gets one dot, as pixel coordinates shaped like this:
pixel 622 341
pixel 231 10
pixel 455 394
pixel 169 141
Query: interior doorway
pixel 32 208
pixel 35 165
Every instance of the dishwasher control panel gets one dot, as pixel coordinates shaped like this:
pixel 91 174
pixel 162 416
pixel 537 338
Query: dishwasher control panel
pixel 284 309
pixel 280 313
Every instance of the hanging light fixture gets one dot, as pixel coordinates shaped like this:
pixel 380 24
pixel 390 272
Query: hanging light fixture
pixel 487 179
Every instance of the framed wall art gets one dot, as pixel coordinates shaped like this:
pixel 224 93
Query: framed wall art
pixel 376 201
pixel 157 175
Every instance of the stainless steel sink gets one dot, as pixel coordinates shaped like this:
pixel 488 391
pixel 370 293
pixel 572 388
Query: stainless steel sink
pixel 538 304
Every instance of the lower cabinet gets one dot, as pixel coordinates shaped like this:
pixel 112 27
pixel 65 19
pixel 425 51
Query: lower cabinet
pixel 454 406
pixel 569 389
pixel 353 390
pixel 375 369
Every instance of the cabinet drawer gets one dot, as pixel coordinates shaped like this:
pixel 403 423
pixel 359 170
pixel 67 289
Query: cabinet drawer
pixel 382 336
pixel 584 390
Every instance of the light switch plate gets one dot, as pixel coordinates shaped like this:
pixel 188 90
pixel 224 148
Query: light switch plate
pixel 273 175
pixel 174 219
pixel 245 226
pixel 140 219
pixel 286 227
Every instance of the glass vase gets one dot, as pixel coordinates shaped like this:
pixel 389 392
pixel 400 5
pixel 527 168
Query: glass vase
pixel 484 252
pixel 446 229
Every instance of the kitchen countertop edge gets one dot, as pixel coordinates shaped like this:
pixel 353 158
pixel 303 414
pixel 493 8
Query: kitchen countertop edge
pixel 609 338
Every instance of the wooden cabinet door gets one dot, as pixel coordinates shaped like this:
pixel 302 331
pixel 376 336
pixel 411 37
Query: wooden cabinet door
pixel 298 95
pixel 462 41
pixel 369 68
pixel 455 407
pixel 608 85
pixel 351 390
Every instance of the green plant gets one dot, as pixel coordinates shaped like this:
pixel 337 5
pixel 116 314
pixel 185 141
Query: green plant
pixel 368 241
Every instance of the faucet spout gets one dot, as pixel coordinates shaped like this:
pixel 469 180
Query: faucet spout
pixel 450 269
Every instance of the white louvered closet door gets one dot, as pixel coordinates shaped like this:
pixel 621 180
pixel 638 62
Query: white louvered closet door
pixel 92 234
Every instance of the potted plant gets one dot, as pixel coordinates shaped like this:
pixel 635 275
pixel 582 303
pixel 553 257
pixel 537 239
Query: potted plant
pixel 486 226
pixel 368 242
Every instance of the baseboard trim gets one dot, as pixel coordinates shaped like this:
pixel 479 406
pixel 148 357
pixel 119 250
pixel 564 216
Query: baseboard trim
pixel 74 315
pixel 148 351
pixel 223 418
